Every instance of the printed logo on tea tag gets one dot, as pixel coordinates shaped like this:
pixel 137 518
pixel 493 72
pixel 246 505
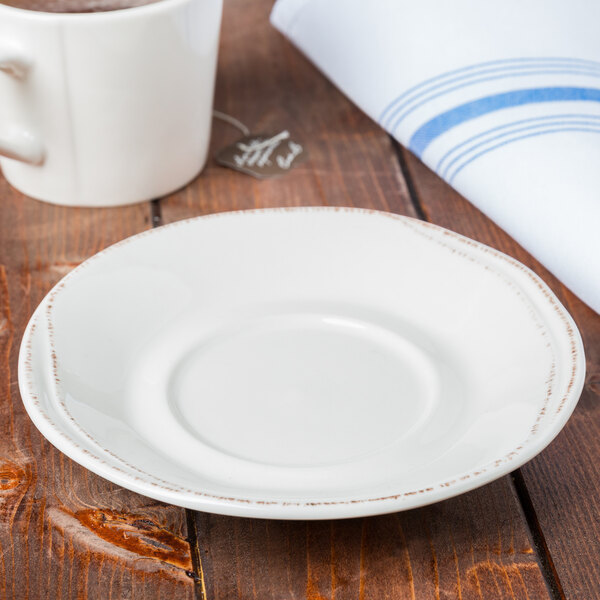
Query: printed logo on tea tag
pixel 262 155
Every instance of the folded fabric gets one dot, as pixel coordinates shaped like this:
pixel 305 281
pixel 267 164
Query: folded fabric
pixel 502 100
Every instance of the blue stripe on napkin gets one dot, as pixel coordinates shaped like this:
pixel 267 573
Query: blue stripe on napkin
pixel 509 67
pixel 543 120
pixel 562 128
pixel 482 106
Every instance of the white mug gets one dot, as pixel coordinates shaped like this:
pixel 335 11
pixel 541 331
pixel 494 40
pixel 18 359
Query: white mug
pixel 107 108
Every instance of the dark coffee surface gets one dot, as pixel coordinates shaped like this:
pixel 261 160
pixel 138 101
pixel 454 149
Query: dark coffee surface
pixel 75 6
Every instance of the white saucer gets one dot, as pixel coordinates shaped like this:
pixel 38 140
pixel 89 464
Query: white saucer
pixel 301 363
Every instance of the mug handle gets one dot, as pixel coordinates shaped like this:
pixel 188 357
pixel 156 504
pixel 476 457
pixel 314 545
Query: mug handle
pixel 17 142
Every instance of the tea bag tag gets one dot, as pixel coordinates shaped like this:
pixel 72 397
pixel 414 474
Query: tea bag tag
pixel 262 155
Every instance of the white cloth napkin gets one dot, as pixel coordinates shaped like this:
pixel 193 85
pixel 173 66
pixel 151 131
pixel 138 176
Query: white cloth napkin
pixel 502 99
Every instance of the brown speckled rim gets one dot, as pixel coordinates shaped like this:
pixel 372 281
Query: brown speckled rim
pixel 148 484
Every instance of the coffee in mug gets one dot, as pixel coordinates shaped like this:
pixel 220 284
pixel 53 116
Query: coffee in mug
pixel 75 6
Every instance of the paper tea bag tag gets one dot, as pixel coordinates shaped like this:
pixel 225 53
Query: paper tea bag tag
pixel 262 155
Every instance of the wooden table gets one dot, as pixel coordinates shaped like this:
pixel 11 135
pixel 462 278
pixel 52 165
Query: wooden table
pixel 66 533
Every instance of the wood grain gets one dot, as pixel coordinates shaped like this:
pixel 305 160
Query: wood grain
pixel 264 82
pixel 468 547
pixel 564 480
pixel 475 546
pixel 65 532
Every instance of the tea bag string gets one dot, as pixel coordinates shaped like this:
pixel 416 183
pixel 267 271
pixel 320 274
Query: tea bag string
pixel 217 114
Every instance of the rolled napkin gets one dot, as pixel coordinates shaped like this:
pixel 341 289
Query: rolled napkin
pixel 502 100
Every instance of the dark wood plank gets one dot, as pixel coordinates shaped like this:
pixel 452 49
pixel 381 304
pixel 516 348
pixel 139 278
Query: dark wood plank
pixel 467 547
pixel 65 532
pixel 564 480
pixel 475 546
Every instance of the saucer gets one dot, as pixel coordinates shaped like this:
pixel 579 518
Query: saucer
pixel 301 363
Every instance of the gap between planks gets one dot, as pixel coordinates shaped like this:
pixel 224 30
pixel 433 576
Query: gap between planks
pixel 517 481
pixel 197 573
pixel 534 530
pixel 537 537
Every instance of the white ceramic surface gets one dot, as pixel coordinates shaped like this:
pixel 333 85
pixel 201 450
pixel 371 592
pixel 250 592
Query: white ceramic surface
pixel 107 108
pixel 301 363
